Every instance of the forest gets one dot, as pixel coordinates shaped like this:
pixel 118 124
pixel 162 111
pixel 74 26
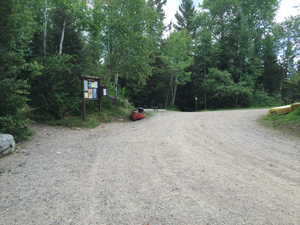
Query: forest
pixel 228 53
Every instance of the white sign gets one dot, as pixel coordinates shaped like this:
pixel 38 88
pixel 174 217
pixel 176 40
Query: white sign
pixel 85 85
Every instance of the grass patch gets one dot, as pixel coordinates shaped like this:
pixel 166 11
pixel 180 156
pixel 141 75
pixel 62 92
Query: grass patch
pixel 148 114
pixel 93 119
pixel 112 110
pixel 287 123
pixel 25 135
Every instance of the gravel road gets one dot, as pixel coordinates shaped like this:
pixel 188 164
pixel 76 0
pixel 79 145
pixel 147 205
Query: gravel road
pixel 173 168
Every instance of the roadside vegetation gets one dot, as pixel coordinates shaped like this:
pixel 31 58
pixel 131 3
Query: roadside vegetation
pixel 111 111
pixel 287 123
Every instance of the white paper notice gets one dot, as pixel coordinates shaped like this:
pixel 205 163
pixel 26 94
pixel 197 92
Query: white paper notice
pixel 85 85
pixel 96 84
pixel 104 91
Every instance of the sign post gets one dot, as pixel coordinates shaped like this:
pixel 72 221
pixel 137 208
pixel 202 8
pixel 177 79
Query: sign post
pixel 196 102
pixel 91 91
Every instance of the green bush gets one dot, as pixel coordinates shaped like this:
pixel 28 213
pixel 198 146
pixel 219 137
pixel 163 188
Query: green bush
pixel 75 106
pixel 92 106
pixel 57 91
pixel 13 104
pixel 262 98
pixel 106 103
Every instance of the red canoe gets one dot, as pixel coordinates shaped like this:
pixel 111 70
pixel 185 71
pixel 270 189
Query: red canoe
pixel 137 114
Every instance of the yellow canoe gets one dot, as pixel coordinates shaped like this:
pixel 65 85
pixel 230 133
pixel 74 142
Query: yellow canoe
pixel 280 110
pixel 295 105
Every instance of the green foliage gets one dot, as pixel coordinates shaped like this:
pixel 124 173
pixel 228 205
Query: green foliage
pixel 57 90
pixel 184 18
pixel 110 88
pixel 287 123
pixel 230 35
pixel 106 103
pixel 13 104
pixel 263 98
pixel 220 85
pixel 128 39
pixel 294 84
pixel 148 114
pixel 177 57
pixel 272 73
pixel 17 27
pixel 172 107
pixel 93 117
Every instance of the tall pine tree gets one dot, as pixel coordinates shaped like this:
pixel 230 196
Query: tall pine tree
pixel 184 16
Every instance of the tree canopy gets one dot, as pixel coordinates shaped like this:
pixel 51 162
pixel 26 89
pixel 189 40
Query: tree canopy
pixel 230 53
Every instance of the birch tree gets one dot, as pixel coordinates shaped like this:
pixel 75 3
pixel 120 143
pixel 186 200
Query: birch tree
pixel 128 41
pixel 177 55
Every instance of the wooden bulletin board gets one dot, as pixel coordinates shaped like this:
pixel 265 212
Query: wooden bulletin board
pixel 91 91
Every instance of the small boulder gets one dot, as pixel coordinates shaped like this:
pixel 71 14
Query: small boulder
pixel 7 144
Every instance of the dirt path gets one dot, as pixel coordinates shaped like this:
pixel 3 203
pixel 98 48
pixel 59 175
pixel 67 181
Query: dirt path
pixel 173 168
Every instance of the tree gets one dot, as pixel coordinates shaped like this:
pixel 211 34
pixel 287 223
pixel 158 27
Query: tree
pixel 154 91
pixel 56 91
pixel 184 20
pixel 157 24
pixel 289 44
pixel 206 53
pixel 177 55
pixel 17 28
pixel 272 75
pixel 220 86
pixel 236 29
pixel 128 41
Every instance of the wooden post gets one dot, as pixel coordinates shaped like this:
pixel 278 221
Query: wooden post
pixel 99 95
pixel 83 99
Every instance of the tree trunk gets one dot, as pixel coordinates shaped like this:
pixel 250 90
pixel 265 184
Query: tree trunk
pixel 167 98
pixel 205 100
pixel 174 93
pixel 45 28
pixel 236 101
pixel 108 68
pixel 280 90
pixel 116 85
pixel 62 36
pixel 241 68
pixel 171 86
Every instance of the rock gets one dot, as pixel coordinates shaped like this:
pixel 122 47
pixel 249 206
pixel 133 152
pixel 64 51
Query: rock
pixel 7 144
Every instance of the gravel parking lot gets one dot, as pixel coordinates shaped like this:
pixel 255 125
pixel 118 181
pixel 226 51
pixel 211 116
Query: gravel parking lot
pixel 218 167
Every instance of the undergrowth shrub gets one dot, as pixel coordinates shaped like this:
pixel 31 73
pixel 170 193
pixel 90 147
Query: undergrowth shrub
pixel 105 102
pixel 262 98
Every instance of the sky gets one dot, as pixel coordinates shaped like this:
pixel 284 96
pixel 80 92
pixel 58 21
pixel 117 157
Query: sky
pixel 285 10
pixel 172 6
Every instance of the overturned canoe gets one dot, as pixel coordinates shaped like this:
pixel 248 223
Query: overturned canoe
pixel 295 105
pixel 280 110
pixel 137 114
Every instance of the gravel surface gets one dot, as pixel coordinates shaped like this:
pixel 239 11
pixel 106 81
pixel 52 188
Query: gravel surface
pixel 173 168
